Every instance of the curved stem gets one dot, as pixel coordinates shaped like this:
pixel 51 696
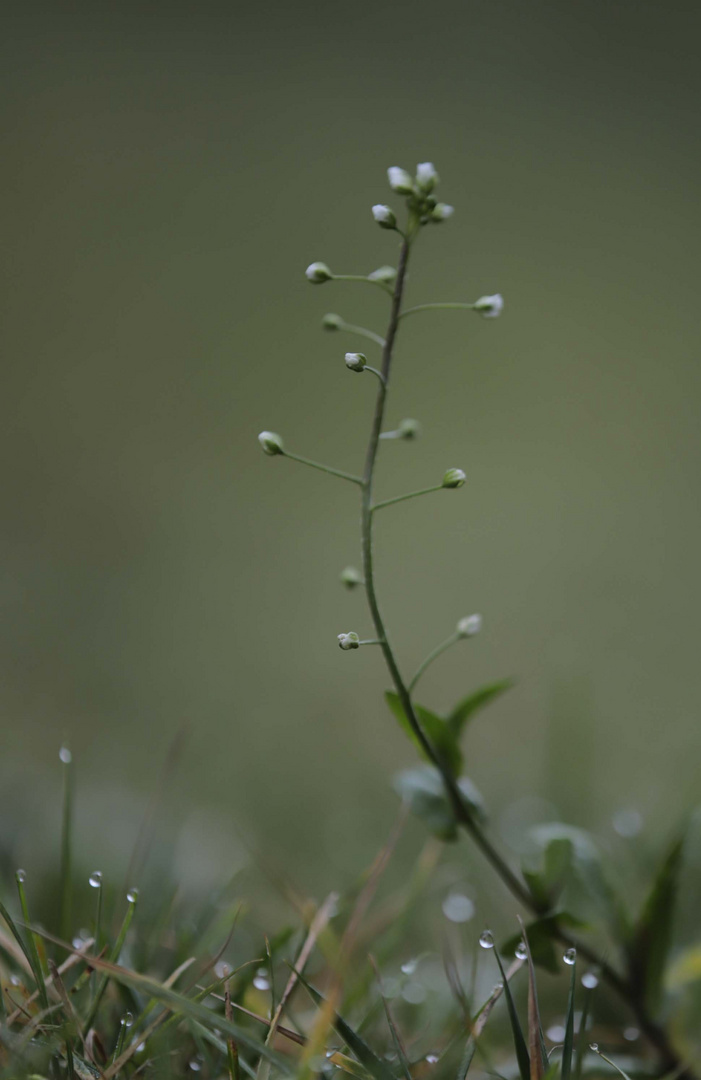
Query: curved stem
pixel 621 985
pixel 323 468
pixel 435 307
pixel 409 495
pixel 362 331
pixel 366 280
pixel 431 657
pixel 375 372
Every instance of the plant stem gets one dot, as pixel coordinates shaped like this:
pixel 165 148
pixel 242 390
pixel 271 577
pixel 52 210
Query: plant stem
pixel 436 307
pixel 362 331
pixel 362 278
pixel 323 468
pixel 432 656
pixel 654 1032
pixel 410 495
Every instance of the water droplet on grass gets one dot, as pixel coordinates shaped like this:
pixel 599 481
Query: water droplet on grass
pixel 432 1058
pixel 630 1034
pixel 261 980
pixel 521 952
pixel 570 957
pixel 222 970
pixel 128 1019
pixel 486 939
pixel 65 755
pixel 133 895
pixel 589 980
pixel 556 1033
pixel 627 823
pixel 95 879
pixel 594 1047
pixel 20 876
pixel 409 967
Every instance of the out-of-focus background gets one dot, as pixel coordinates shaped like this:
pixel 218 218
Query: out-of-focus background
pixel 168 172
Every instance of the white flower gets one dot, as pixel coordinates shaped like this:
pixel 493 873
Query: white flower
pixel 441 212
pixel 384 216
pixel 400 181
pixel 318 272
pixel 356 361
pixel 469 626
pixel 490 306
pixel 348 641
pixel 454 478
pixel 426 176
pixel 271 443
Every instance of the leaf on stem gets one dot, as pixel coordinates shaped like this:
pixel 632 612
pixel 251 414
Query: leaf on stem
pixel 436 729
pixel 423 788
pixel 468 706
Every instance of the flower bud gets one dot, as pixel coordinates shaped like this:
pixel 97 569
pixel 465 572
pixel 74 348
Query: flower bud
pixel 469 626
pixel 441 211
pixel 384 216
pixel 400 181
pixel 271 443
pixel 426 176
pixel 454 478
pixel 356 361
pixel 386 274
pixel 350 577
pixel 332 322
pixel 490 306
pixel 318 273
pixel 409 429
pixel 348 641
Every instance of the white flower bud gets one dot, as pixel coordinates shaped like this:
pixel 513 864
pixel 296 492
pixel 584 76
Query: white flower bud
pixel 469 626
pixel 454 478
pixel 348 641
pixel 384 216
pixel 356 361
pixel 271 443
pixel 490 306
pixel 318 273
pixel 351 578
pixel 426 176
pixel 400 181
pixel 387 274
pixel 441 212
pixel 409 429
pixel 332 322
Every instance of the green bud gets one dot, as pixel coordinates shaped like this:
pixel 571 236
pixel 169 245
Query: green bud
pixel 409 429
pixel 387 274
pixel 441 212
pixel 454 478
pixel 318 273
pixel 384 216
pixel 271 443
pixel 348 641
pixel 332 322
pixel 469 626
pixel 350 577
pixel 489 306
pixel 400 181
pixel 356 361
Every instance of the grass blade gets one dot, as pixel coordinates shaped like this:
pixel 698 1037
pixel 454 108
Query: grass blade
pixel 65 920
pixel 31 952
pixel 522 1056
pixel 652 936
pixel 536 1040
pixel 566 1067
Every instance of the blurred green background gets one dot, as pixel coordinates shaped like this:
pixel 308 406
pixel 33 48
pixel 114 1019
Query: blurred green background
pixel 168 172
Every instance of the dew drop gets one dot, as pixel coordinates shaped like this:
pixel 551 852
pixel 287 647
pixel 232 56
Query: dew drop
pixel 497 988
pixel 627 823
pixel 222 970
pixel 15 980
pixel 140 1048
pixel 570 957
pixel 409 967
pixel 261 980
pixel 486 939
pixel 589 980
pixel 432 1059
pixel 458 908
pixel 128 1019
pixel 594 1047
pixel 65 755
pixel 195 1064
pixel 630 1034
pixel 95 879
pixel 556 1033
pixel 521 952
pixel 77 943
pixel 133 895
pixel 20 876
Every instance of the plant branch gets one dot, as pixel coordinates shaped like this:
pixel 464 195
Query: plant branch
pixel 362 331
pixel 323 468
pixel 436 307
pixel 432 656
pixel 409 495
pixel 362 278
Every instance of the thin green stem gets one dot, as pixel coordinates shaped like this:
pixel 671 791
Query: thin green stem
pixel 323 468
pixel 362 331
pixel 409 495
pixel 371 641
pixel 363 280
pixel 375 372
pixel 431 657
pixel 436 307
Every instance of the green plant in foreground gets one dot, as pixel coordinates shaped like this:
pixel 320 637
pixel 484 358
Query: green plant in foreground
pixel 437 791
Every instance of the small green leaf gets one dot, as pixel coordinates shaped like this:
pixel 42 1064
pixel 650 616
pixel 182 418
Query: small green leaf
pixel 468 706
pixel 652 935
pixel 435 728
pixel 424 790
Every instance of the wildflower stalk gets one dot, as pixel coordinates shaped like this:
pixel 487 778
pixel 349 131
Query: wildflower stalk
pixel 655 1033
